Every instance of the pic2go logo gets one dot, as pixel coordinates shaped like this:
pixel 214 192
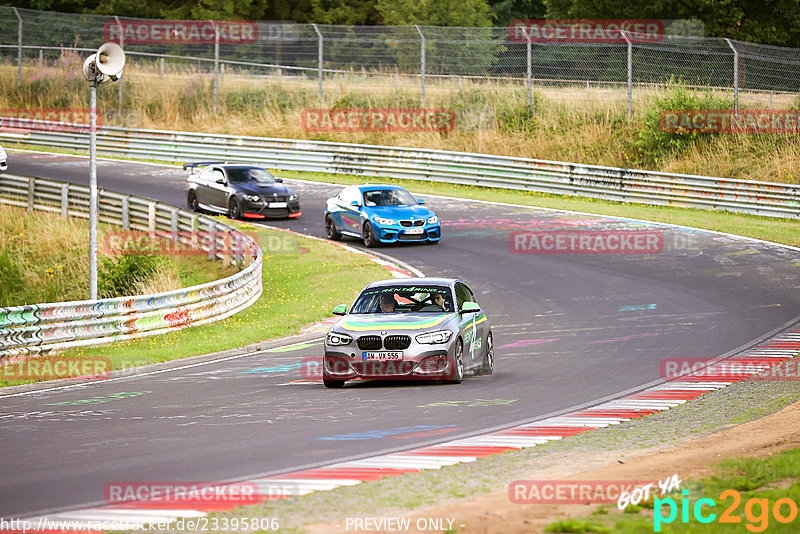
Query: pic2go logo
pixel 756 511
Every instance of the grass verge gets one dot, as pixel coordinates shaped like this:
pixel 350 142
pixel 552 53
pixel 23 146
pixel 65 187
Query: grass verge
pixel 292 265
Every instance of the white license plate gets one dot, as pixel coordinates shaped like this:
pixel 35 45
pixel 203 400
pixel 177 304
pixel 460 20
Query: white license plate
pixel 277 205
pixel 383 355
pixel 414 231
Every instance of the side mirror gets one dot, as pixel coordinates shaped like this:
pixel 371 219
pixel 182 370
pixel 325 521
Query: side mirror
pixel 470 307
pixel 340 309
pixel 221 181
pixel 420 201
pixel 355 203
pixel 279 180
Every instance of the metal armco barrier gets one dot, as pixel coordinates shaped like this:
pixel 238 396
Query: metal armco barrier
pixel 610 183
pixel 42 328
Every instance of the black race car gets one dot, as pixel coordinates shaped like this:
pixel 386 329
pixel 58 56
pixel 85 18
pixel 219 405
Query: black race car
pixel 240 191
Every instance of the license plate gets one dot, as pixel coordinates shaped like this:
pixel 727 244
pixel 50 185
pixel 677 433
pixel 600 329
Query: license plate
pixel 277 205
pixel 414 230
pixel 365 356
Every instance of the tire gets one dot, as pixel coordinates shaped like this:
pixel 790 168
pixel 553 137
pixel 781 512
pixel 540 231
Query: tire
pixel 487 367
pixel 191 202
pixel 369 236
pixel 330 229
pixel 234 211
pixel 334 384
pixel 457 375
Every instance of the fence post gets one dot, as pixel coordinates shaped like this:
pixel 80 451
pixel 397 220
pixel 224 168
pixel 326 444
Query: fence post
pixel 319 61
pixel 19 47
pixel 422 66
pixel 529 75
pixel 121 79
pixel 216 64
pixel 151 219
pixel 735 75
pixel 31 185
pixel 161 67
pixel 630 73
pixel 212 241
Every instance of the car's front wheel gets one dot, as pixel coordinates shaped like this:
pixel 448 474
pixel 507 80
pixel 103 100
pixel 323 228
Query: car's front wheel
pixel 330 229
pixel 234 211
pixel 457 363
pixel 487 367
pixel 369 235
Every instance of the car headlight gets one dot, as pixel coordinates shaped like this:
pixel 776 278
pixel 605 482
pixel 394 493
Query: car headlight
pixel 433 220
pixel 381 220
pixel 292 198
pixel 431 338
pixel 251 198
pixel 337 340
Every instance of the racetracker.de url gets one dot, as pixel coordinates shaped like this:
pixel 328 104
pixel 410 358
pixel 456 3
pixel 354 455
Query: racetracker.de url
pixel 198 524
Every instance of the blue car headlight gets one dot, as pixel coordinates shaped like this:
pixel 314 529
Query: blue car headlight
pixel 433 338
pixel 251 198
pixel 384 221
pixel 337 340
pixel 433 220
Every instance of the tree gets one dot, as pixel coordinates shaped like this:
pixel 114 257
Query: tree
pixel 435 12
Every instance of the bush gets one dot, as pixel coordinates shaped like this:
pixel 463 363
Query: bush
pixel 654 144
pixel 119 278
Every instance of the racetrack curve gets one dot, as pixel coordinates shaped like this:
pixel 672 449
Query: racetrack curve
pixel 569 329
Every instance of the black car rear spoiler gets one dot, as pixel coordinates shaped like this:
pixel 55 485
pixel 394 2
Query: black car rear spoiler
pixel 192 166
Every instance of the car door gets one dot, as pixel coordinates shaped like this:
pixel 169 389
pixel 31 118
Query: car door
pixel 218 192
pixel 473 327
pixel 348 215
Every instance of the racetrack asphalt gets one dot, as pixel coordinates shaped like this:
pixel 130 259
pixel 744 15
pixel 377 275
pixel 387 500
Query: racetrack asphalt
pixel 569 329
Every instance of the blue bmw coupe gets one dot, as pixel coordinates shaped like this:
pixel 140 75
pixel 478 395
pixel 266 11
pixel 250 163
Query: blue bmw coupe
pixel 380 214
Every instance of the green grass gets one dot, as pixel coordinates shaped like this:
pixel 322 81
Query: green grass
pixel 765 479
pixel 292 266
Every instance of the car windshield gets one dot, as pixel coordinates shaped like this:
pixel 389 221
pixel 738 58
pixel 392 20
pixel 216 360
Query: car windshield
pixel 388 197
pixel 240 175
pixel 404 299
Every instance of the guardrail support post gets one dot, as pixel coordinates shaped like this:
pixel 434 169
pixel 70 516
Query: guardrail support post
pixel 173 224
pixel 126 214
pixel 194 232
pixel 735 75
pixel 151 219
pixel 64 200
pixel 319 61
pixel 19 47
pixel 226 249
pixel 237 251
pixel 212 242
pixel 31 185
pixel 421 66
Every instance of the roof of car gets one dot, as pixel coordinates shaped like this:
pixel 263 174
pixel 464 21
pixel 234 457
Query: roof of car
pixel 414 281
pixel 365 187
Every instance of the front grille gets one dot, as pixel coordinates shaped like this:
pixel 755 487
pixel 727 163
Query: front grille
pixel 397 342
pixel 388 368
pixel 405 224
pixel 411 237
pixel 420 222
pixel 409 224
pixel 369 342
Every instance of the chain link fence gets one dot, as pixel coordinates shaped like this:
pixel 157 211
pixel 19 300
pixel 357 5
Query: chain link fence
pixel 328 56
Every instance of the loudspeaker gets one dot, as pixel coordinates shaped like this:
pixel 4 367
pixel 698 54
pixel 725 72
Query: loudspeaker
pixel 105 65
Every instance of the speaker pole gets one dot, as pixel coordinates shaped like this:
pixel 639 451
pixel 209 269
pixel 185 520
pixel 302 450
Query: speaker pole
pixel 93 190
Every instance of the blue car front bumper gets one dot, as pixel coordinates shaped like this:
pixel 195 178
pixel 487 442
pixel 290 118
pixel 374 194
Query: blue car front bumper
pixel 394 234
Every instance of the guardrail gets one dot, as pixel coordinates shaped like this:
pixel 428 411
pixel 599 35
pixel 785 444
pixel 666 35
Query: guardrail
pixel 610 183
pixel 41 328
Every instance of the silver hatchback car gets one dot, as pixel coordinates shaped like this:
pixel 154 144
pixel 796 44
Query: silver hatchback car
pixel 410 328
